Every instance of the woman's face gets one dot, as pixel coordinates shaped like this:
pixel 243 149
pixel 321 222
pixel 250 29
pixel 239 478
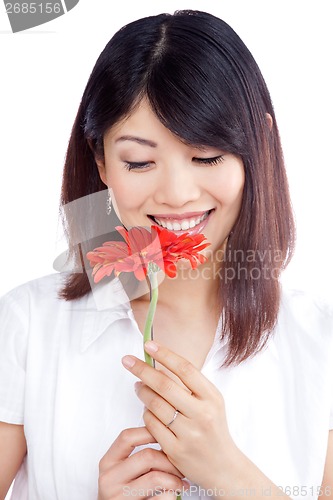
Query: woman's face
pixel 157 179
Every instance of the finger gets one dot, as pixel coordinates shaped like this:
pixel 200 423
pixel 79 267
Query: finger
pixel 191 377
pixel 167 495
pixel 155 482
pixel 158 406
pixel 147 460
pixel 165 435
pixel 163 385
pixel 141 463
pixel 124 444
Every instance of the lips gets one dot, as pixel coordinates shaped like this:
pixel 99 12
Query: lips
pixel 189 222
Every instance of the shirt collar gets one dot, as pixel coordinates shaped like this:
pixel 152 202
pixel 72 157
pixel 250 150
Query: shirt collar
pixel 107 303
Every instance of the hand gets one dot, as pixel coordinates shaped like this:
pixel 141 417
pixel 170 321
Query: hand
pixel 148 470
pixel 198 442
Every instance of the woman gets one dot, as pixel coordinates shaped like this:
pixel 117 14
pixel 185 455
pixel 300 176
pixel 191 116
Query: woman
pixel 176 120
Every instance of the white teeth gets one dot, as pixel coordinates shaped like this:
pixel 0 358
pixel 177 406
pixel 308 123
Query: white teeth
pixel 183 225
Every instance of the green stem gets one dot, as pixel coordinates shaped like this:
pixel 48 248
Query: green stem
pixel 148 331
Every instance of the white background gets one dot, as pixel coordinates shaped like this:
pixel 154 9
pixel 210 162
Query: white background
pixel 43 74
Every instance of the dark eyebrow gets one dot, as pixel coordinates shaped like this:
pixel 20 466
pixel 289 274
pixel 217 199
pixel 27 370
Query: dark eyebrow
pixel 139 140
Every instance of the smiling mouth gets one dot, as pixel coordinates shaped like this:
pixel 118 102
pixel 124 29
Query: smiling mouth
pixel 180 224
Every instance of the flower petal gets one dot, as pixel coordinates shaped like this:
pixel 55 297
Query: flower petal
pixel 143 247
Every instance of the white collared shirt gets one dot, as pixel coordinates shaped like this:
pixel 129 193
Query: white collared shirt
pixel 61 376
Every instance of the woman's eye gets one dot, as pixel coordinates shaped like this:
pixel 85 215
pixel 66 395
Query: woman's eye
pixel 137 165
pixel 210 161
pixel 141 165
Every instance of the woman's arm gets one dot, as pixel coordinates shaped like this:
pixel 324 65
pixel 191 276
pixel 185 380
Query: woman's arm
pixel 13 449
pixel 327 485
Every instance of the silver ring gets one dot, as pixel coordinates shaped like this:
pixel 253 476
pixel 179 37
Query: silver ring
pixel 173 418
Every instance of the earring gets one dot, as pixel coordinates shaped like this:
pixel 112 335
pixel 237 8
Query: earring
pixel 109 203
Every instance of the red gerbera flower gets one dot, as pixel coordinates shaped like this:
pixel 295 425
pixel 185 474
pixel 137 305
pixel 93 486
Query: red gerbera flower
pixel 145 252
pixel 143 249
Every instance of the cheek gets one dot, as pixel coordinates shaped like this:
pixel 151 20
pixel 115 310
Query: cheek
pixel 231 190
pixel 127 194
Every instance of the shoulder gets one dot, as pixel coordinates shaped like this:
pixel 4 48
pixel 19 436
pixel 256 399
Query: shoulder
pixel 41 294
pixel 39 300
pixel 305 326
pixel 307 311
pixel 43 284
pixel 48 286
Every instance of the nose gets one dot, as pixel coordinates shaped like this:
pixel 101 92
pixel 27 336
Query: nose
pixel 177 186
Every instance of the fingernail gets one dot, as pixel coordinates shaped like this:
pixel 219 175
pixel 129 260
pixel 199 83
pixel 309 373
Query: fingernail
pixel 186 484
pixel 150 346
pixel 137 386
pixel 128 362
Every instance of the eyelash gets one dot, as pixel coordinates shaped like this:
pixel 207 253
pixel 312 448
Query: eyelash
pixel 210 161
pixel 131 165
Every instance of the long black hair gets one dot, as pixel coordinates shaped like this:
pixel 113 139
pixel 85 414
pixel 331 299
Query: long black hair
pixel 204 86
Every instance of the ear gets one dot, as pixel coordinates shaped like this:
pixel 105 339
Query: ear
pixel 101 169
pixel 99 162
pixel 269 121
